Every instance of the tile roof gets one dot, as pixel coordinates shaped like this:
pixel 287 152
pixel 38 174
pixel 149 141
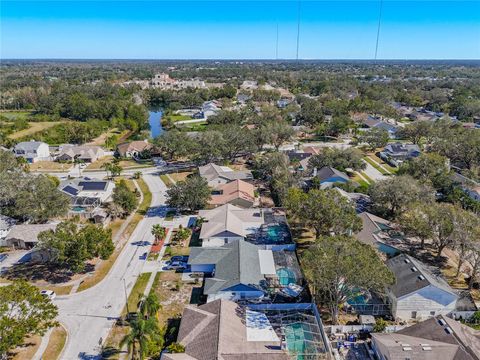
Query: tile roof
pixel 412 275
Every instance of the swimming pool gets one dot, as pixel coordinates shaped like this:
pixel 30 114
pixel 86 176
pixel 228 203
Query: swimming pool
pixel 276 233
pixel 78 209
pixel 300 340
pixel 286 276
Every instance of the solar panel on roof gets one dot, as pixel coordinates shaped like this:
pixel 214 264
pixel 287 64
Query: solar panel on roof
pixel 93 185
pixel 71 190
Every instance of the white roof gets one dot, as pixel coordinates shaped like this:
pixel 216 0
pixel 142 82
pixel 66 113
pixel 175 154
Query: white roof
pixel 259 327
pixel 267 264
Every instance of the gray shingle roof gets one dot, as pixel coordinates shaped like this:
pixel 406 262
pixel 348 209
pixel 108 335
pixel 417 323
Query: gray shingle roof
pixel 412 275
pixel 28 145
pixel 235 263
pixel 327 172
pixel 370 227
pixel 212 171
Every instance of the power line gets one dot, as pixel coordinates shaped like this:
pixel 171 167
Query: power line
pixel 378 29
pixel 298 26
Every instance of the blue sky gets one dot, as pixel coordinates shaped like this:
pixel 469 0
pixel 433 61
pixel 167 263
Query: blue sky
pixel 239 29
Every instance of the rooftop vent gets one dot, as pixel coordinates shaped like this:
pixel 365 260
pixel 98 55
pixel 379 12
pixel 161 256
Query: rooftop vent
pixel 414 269
pixel 448 330
pixel 426 348
pixel 407 261
pixel 441 322
pixel 421 277
pixel 405 345
pixel 407 348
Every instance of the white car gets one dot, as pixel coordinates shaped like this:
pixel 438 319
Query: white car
pixel 49 293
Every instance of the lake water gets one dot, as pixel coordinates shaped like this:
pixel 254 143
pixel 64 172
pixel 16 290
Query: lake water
pixel 154 118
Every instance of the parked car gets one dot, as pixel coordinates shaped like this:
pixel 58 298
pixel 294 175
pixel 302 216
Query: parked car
pixel 144 256
pixel 3 257
pixel 176 265
pixel 49 294
pixel 181 258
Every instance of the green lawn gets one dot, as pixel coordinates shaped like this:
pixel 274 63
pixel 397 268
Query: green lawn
pixel 370 180
pixel 390 168
pixel 175 118
pixel 14 115
pixel 375 165
pixel 137 291
pixel 166 180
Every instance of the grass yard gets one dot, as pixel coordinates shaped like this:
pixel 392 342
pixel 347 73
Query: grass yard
pixel 175 118
pixel 28 350
pixel 55 344
pixel 180 176
pixel 359 180
pixel 369 179
pixel 125 164
pixel 49 166
pixel 34 128
pixel 390 168
pixel 166 180
pixel 14 115
pixel 173 295
pixel 136 293
pixel 59 290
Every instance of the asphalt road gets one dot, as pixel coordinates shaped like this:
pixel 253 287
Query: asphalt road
pixel 89 315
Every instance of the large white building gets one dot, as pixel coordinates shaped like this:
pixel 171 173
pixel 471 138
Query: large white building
pixel 418 293
pixel 32 151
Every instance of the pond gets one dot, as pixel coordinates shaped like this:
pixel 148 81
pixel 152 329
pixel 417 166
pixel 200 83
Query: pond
pixel 154 119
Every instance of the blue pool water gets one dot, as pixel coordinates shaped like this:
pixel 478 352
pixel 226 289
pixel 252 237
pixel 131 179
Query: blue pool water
pixel 286 276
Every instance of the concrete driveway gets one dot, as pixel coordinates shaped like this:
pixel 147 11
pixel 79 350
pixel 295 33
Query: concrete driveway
pixel 89 315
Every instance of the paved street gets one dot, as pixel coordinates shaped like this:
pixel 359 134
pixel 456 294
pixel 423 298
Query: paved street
pixel 89 315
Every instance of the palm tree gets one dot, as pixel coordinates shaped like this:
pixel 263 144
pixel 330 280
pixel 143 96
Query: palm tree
pixel 158 231
pixel 140 332
pixel 149 305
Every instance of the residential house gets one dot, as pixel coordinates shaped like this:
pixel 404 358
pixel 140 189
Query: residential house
pixel 32 151
pixel 283 103
pixel 6 223
pixel 379 233
pixel 237 192
pixel 241 270
pixel 371 122
pixel 396 153
pixel 85 153
pixel 217 175
pixel 223 329
pixel 87 196
pixel 267 228
pixel 469 186
pixel 25 236
pixel 249 85
pixel 438 338
pixel 243 98
pixel 210 108
pixel 418 293
pixel 133 149
pixel 328 176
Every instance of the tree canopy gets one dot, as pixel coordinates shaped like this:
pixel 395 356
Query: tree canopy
pixel 191 194
pixel 23 312
pixel 339 159
pixel 338 267
pixel 70 245
pixel 325 211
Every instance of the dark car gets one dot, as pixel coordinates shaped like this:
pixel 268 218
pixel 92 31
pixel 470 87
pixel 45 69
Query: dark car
pixel 143 256
pixel 179 258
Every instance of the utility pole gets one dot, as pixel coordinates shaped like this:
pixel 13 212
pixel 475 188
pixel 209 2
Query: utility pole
pixel 126 297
